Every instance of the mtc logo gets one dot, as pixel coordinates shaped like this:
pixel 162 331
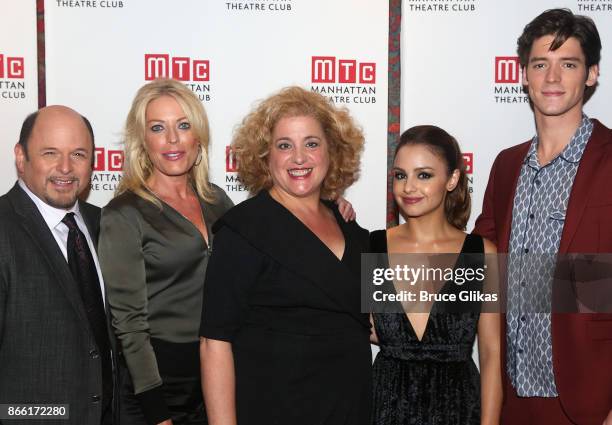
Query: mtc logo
pixel 11 67
pixel 178 68
pixel 468 160
pixel 231 163
pixel 108 160
pixel 507 69
pixel 326 69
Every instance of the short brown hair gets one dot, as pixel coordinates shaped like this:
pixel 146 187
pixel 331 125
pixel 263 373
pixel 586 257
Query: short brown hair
pixel 563 24
pixel 457 205
pixel 253 138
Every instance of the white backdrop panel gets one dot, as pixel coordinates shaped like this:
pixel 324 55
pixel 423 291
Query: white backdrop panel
pixel 18 79
pixel 96 62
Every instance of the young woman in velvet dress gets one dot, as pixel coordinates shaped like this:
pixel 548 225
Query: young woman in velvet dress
pixel 424 373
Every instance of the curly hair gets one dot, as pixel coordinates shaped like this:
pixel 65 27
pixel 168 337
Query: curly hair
pixel 252 139
pixel 457 204
pixel 137 167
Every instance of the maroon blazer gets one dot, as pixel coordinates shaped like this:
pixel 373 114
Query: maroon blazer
pixel 582 343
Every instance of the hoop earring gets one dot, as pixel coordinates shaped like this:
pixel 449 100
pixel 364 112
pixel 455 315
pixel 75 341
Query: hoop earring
pixel 199 158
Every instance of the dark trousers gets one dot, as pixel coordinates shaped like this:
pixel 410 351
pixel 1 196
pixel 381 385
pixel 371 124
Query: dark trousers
pixel 183 396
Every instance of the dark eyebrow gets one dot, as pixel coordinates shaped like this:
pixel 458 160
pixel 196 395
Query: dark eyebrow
pixel 541 58
pixel 416 169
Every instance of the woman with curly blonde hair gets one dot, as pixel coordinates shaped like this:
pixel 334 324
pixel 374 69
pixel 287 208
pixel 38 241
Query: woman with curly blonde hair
pixel 283 340
pixel 155 242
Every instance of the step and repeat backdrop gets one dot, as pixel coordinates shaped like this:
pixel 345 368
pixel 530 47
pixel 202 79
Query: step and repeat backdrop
pixel 230 54
pixel 459 71
pixel 18 79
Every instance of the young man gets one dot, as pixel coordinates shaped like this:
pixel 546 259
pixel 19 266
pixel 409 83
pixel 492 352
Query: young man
pixel 54 335
pixel 546 196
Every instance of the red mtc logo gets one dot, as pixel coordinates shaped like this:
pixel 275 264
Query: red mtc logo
pixel 507 69
pixel 179 68
pixel 326 69
pixel 231 163
pixel 108 160
pixel 11 67
pixel 468 160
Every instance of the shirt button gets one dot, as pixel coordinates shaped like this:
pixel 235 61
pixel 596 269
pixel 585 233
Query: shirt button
pixel 537 182
pixel 531 216
pixel 523 284
pixel 526 250
pixel 520 351
pixel 522 318
pixel 94 354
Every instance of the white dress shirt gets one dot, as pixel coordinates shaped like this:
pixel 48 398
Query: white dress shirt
pixel 53 217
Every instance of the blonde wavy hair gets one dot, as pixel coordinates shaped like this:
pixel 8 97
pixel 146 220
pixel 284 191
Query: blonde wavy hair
pixel 137 166
pixel 252 139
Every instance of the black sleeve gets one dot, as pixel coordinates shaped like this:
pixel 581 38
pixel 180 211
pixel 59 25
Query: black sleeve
pixel 378 241
pixel 232 271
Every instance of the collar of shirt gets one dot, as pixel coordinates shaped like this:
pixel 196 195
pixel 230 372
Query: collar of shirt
pixel 572 152
pixel 52 216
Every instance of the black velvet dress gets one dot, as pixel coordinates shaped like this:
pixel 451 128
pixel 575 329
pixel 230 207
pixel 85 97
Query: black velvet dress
pixel 433 381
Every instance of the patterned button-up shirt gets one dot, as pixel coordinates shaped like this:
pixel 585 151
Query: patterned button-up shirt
pixel 538 216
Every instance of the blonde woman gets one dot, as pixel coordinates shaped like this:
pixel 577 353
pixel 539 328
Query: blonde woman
pixel 155 242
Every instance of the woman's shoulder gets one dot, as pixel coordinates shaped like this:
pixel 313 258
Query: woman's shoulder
pixel 252 212
pixel 124 201
pixel 128 204
pixel 219 194
pixel 220 202
pixel 378 241
pixel 476 244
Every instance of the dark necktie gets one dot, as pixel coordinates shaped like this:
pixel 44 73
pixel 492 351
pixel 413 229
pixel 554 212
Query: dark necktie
pixel 83 268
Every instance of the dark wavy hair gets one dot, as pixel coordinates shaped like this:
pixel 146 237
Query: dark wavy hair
pixel 457 205
pixel 563 24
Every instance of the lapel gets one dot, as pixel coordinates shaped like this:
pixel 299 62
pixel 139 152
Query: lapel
pixel 508 176
pixel 33 224
pixel 593 156
pixel 272 229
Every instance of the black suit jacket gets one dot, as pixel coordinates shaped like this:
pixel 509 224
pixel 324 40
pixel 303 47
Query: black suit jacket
pixel 48 353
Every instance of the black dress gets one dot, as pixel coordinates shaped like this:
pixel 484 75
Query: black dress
pixel 433 381
pixel 291 311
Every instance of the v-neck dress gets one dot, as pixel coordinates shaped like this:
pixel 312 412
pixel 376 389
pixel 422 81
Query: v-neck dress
pixel 432 381
pixel 291 311
pixel 153 261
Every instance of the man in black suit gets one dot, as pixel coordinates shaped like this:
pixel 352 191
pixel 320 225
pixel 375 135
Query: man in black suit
pixel 54 336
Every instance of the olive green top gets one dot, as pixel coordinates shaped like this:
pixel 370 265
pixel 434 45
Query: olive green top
pixel 153 262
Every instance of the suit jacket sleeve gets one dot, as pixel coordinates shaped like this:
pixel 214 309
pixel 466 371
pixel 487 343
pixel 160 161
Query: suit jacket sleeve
pixel 123 268
pixel 3 297
pixel 485 223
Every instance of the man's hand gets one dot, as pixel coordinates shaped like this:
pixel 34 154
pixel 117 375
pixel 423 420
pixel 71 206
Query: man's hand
pixel 608 420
